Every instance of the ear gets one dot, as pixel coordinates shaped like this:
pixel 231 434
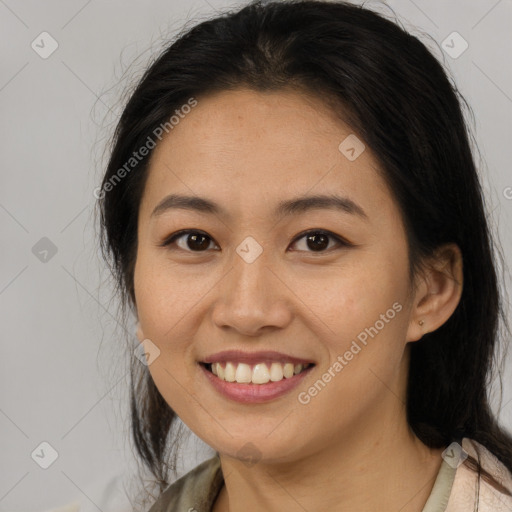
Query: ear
pixel 437 292
pixel 140 334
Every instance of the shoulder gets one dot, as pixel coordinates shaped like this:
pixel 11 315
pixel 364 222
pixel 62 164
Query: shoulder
pixel 195 491
pixel 468 489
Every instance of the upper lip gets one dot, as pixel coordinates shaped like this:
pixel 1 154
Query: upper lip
pixel 239 356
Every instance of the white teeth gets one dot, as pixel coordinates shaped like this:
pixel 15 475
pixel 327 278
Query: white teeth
pixel 276 372
pixel 288 370
pixel 259 374
pixel 243 373
pixel 229 372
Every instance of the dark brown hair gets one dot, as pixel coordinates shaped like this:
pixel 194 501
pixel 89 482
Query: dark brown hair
pixel 399 100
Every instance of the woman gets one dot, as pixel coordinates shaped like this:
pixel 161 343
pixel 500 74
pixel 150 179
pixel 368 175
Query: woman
pixel 292 213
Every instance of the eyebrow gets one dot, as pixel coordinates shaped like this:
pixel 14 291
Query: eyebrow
pixel 295 206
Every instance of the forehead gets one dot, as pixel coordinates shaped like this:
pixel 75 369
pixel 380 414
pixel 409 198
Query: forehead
pixel 246 148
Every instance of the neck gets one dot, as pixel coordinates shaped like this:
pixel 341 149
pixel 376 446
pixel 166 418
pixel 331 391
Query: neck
pixel 381 466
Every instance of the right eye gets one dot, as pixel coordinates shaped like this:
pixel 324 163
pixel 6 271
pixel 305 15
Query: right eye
pixel 194 240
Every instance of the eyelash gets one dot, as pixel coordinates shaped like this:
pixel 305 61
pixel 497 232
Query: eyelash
pixel 343 243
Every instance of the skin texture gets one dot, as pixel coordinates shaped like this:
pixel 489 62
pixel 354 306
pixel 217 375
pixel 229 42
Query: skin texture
pixel 350 448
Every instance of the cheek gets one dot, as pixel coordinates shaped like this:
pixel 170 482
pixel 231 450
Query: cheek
pixel 163 301
pixel 353 294
pixel 165 294
pixel 366 317
pixel 362 310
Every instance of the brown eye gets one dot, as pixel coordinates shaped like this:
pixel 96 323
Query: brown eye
pixel 318 240
pixel 194 241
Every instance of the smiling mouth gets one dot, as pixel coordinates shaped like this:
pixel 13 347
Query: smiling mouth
pixel 260 373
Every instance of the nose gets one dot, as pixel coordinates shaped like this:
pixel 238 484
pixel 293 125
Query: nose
pixel 252 298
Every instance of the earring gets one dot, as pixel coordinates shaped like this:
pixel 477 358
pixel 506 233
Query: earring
pixel 421 322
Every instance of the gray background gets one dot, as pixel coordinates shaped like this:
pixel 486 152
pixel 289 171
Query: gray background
pixel 63 360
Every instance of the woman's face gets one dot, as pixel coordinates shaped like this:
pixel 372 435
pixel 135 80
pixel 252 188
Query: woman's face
pixel 254 282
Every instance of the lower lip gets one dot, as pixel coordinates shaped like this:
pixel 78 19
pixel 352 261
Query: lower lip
pixel 255 393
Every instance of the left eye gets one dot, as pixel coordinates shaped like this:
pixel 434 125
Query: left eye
pixel 318 240
pixel 197 241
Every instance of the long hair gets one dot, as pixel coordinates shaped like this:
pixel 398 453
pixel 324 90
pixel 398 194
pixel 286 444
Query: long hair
pixel 397 97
